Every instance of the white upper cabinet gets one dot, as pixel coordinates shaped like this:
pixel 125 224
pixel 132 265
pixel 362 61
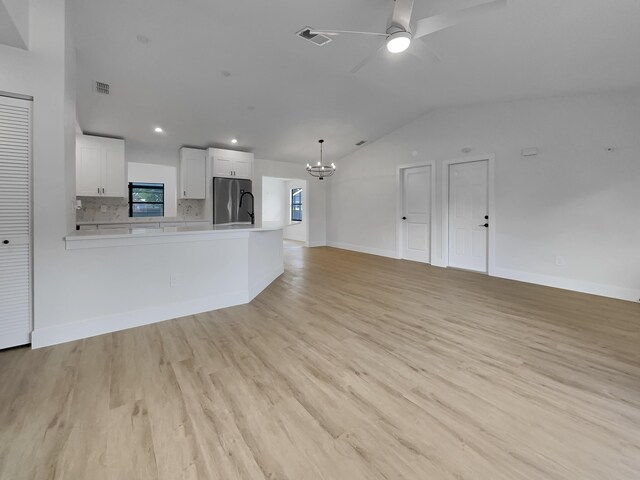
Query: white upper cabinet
pixel 100 167
pixel 193 173
pixel 230 163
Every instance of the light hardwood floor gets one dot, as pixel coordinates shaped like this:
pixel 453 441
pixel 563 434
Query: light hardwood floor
pixel 348 367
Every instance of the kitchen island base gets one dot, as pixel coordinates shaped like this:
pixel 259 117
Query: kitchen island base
pixel 126 279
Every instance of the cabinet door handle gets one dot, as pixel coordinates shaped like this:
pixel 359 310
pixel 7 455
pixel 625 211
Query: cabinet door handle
pixel 98 190
pixel 103 190
pixel 184 193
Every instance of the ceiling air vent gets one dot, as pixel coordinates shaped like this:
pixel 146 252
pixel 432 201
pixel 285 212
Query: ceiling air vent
pixel 315 38
pixel 102 88
pixel 360 143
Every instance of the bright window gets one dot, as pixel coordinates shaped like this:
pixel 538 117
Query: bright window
pixel 296 204
pixel 146 199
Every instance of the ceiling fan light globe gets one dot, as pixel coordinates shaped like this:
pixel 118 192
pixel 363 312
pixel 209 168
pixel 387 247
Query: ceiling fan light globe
pixel 398 42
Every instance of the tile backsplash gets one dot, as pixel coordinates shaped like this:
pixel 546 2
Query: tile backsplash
pixel 118 211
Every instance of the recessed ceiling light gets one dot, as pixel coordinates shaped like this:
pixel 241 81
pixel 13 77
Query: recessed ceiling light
pixel 158 130
pixel 234 140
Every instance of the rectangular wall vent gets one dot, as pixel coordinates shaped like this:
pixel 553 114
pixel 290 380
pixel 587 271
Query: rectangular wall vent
pixel 102 88
pixel 360 143
pixel 315 38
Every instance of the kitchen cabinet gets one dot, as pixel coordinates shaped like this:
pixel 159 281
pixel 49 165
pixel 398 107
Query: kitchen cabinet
pixel 100 167
pixel 193 174
pixel 230 163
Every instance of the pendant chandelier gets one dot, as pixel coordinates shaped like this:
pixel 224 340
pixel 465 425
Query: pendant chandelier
pixel 320 170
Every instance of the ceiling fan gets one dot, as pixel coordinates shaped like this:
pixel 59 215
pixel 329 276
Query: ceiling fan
pixel 399 37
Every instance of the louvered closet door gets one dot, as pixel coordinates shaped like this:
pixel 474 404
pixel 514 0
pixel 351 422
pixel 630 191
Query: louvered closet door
pixel 15 222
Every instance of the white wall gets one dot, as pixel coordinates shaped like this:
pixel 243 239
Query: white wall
pixel 146 172
pixel 315 200
pixel 140 153
pixel 14 23
pixel 273 200
pixel 574 199
pixel 40 73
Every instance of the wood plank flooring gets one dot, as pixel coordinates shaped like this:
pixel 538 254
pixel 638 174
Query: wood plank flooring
pixel 349 366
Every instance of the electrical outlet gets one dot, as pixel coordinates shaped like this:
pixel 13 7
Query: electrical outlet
pixel 103 208
pixel 559 260
pixel 174 280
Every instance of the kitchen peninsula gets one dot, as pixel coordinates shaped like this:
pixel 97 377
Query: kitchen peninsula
pixel 130 277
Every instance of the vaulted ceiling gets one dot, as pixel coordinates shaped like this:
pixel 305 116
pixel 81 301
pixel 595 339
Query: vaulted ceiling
pixel 284 93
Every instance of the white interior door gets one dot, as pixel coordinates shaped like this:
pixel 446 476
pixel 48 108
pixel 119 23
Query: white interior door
pixel 468 215
pixel 15 223
pixel 416 214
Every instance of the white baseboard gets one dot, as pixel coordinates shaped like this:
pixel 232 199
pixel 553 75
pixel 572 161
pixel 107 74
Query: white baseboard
pixel 357 248
pixel 318 244
pixel 611 291
pixel 45 337
pixel 295 238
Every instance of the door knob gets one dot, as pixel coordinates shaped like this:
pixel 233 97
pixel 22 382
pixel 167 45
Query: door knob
pixel 6 242
pixel 404 218
pixel 484 225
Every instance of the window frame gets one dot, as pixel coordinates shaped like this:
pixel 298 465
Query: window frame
pixel 149 186
pixel 293 203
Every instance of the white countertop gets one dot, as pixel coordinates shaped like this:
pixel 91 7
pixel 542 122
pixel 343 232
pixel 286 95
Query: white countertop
pixel 168 231
pixel 142 221
pixel 140 235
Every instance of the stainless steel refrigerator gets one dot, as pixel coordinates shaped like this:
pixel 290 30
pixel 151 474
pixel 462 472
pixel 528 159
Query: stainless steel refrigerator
pixel 226 200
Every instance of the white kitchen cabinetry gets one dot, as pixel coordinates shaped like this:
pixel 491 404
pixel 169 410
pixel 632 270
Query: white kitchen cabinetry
pixel 230 163
pixel 100 167
pixel 193 174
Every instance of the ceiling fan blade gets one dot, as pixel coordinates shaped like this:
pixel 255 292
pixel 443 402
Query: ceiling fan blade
pixel 429 25
pixel 368 58
pixel 344 32
pixel 402 14
pixel 420 50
